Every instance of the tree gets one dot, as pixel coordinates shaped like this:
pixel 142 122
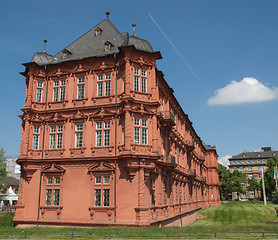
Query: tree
pixel 254 185
pixel 3 172
pixel 224 175
pixel 236 180
pixel 269 176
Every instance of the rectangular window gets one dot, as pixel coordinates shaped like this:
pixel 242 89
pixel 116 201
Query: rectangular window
pixel 103 130
pixel 251 193
pixel 144 122
pixel 140 124
pixel 78 135
pixel 63 82
pixel 144 85
pixel 56 137
pixel 106 180
pixel 249 168
pixel 106 197
pixel 97 197
pixel 108 76
pixel 56 83
pixel 107 88
pixel 106 124
pixel 137 121
pixel 98 138
pixel 49 180
pixel 62 93
pixel 79 127
pixel 81 80
pixel 56 197
pixel 78 139
pixel 59 140
pixel 53 191
pixel 57 180
pixel 99 125
pixel 55 94
pixel 98 180
pixel 48 197
pixel 136 71
pixel 39 95
pixel 100 77
pixel 136 84
pixel 99 89
pixel 106 137
pixel 36 129
pixel 136 135
pixel 80 91
pixel 39 84
pixel 35 142
pixel 144 73
pixel 52 141
pixel 144 136
pixel 241 169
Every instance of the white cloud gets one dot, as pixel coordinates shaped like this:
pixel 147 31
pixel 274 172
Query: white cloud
pixel 224 160
pixel 248 90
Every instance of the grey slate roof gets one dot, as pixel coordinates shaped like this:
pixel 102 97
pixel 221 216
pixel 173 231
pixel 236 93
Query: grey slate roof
pixel 255 155
pixel 208 147
pixel 92 45
pixel 11 181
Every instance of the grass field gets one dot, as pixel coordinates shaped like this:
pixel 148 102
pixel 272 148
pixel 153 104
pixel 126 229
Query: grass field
pixel 231 216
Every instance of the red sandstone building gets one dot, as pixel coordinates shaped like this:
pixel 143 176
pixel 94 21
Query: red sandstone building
pixel 104 140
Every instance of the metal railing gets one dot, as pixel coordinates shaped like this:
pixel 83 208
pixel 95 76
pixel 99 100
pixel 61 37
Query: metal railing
pixel 120 234
pixel 167 115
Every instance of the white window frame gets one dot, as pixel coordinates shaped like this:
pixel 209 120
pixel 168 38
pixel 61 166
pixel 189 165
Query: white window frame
pixel 79 136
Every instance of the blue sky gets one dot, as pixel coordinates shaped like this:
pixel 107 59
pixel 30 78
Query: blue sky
pixel 219 56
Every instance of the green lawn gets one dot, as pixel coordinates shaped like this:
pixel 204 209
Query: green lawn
pixel 231 216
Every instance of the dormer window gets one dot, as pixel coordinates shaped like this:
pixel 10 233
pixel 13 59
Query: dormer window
pixel 66 53
pixel 107 46
pixel 98 31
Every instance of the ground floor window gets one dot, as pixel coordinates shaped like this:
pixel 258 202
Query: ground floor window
pixel 102 191
pixel 52 191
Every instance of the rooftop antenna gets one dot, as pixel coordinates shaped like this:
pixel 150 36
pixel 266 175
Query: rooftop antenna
pixel 134 25
pixel 45 41
pixel 107 14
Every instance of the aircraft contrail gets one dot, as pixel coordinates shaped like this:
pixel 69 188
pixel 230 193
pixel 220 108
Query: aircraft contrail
pixel 177 51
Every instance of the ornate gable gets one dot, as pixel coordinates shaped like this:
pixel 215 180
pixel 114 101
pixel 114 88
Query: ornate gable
pixel 101 167
pixel 53 169
pixel 78 116
pixel 36 118
pixel 56 117
pixel 101 113
pixel 142 110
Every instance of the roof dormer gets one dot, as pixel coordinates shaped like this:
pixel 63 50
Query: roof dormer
pixel 66 53
pixel 98 31
pixel 107 46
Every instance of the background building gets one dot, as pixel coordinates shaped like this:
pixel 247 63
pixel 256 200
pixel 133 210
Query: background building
pixel 104 140
pixel 9 197
pixel 251 163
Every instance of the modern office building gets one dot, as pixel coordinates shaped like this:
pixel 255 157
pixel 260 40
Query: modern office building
pixel 105 142
pixel 251 164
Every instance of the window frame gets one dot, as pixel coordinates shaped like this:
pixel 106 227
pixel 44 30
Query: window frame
pixel 78 134
pixel 81 81
pixel 103 134
pixel 102 191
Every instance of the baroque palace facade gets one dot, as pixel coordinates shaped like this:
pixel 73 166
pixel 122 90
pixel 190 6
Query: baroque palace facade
pixel 105 142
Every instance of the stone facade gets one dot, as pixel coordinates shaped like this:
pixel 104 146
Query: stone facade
pixel 105 142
